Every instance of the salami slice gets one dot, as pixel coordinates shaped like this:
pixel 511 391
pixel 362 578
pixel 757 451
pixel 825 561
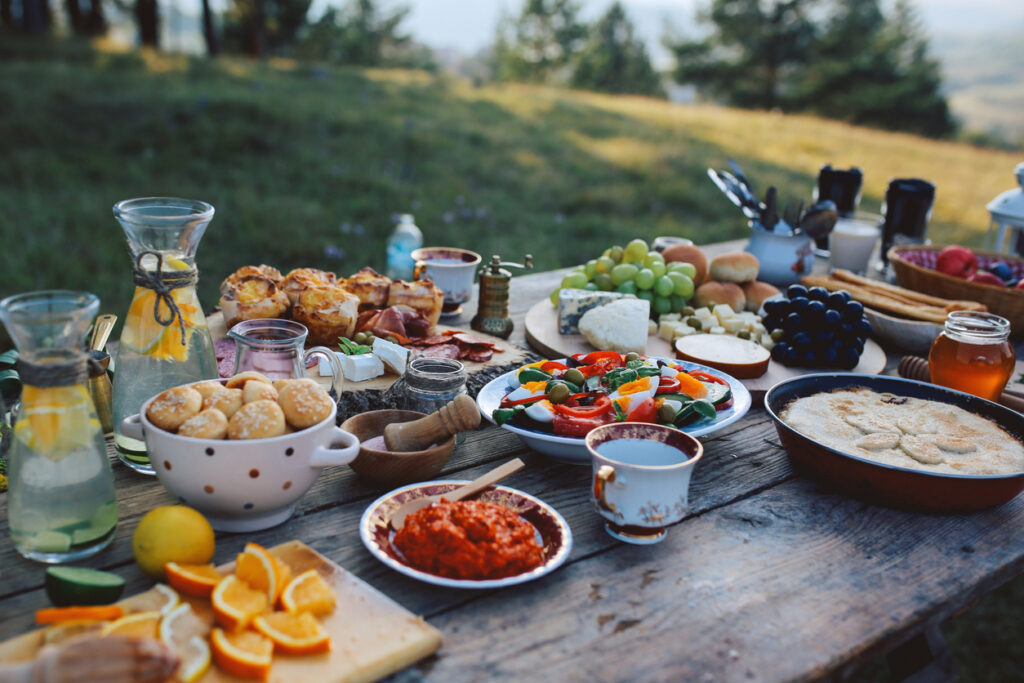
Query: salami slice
pixel 473 340
pixel 439 351
pixel 432 340
pixel 481 356
pixel 224 350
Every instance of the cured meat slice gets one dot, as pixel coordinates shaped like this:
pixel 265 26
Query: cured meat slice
pixel 439 351
pixel 417 327
pixel 481 356
pixel 224 349
pixel 473 340
pixel 432 340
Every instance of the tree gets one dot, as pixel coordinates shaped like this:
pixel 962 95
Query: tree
pixel 147 16
pixel 209 32
pixel 540 43
pixel 262 27
pixel 753 55
pixel 361 34
pixel 873 70
pixel 614 60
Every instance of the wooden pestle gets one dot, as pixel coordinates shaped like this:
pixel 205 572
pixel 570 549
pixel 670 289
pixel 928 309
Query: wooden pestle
pixel 456 416
pixel 915 367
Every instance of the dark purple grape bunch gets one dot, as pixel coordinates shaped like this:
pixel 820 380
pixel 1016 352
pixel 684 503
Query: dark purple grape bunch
pixel 813 328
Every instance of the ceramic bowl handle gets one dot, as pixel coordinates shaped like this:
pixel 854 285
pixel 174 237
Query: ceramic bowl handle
pixel 337 376
pixel 131 427
pixel 342 450
pixel 605 475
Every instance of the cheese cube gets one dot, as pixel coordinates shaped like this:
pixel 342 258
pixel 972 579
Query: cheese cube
pixel 703 313
pixel 717 329
pixel 652 327
pixel 355 368
pixel 757 330
pixel 684 330
pixel 669 317
pixel 393 355
pixel 734 324
pixel 667 329
pixel 723 311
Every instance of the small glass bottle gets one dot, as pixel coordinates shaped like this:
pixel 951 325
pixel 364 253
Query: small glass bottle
pixel 405 239
pixel 973 354
pixel 61 506
pixel 429 384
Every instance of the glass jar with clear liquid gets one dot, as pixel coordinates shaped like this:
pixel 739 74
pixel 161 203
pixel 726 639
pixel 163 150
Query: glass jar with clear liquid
pixel 165 340
pixel 61 506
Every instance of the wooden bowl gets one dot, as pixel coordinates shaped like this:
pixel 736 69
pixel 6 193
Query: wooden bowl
pixel 914 268
pixel 392 468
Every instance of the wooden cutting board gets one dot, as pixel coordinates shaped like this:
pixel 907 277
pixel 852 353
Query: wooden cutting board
pixel 371 635
pixel 510 354
pixel 542 334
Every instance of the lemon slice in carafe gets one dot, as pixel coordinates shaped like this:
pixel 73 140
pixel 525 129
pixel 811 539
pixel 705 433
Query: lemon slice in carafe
pixel 145 336
pixel 56 420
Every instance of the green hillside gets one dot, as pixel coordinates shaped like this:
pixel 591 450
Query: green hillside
pixel 307 165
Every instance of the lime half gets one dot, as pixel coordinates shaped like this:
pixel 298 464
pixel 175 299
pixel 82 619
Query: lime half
pixel 81 586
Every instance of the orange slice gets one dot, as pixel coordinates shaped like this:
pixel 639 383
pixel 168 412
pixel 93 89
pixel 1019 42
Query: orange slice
pixel 284 577
pixel 139 625
pixel 185 633
pixel 159 598
pixel 294 634
pixel 245 654
pixel 235 603
pixel 192 579
pixel 57 615
pixel 258 568
pixel 308 592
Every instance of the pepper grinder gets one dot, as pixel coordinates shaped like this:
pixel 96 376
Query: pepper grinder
pixel 99 381
pixel 492 310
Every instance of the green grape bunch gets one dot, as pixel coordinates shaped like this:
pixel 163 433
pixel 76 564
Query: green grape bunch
pixel 635 269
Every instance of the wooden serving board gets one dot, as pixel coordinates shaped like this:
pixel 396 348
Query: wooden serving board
pixel 542 334
pixel 371 635
pixel 511 354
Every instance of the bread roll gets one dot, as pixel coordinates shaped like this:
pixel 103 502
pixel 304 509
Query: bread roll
pixel 257 420
pixel 371 287
pixel 304 404
pixel 227 401
pixel 738 266
pixel 238 381
pixel 756 292
pixel 206 424
pixel 713 293
pixel 328 311
pixel 688 253
pixel 253 296
pixel 300 278
pixel 208 387
pixel 269 272
pixel 255 390
pixel 172 407
pixel 423 296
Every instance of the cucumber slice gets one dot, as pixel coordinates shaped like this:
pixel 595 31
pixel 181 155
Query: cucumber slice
pixel 49 542
pixel 717 393
pixel 81 586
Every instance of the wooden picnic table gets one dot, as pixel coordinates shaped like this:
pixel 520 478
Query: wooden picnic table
pixel 771 576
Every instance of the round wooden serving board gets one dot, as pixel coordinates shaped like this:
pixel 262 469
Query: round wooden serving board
pixel 542 334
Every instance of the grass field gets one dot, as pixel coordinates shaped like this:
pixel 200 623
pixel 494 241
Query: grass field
pixel 306 167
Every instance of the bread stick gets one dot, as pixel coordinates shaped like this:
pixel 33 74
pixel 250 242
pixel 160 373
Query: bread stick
pixel 867 297
pixel 945 304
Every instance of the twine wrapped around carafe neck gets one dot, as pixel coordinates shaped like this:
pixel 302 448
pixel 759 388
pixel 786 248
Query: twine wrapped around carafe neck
pixel 163 283
pixel 69 371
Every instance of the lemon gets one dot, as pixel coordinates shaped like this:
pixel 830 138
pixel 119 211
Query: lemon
pixel 171 533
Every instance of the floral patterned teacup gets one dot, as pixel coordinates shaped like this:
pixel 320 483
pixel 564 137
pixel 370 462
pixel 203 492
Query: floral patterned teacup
pixel 641 478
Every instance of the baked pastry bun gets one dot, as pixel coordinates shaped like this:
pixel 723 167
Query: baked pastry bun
pixel 172 407
pixel 371 287
pixel 328 312
pixel 252 296
pixel 423 296
pixel 756 293
pixel 207 387
pixel 206 424
pixel 257 420
pixel 255 390
pixel 269 272
pixel 300 278
pixel 238 381
pixel 227 401
pixel 737 266
pixel 713 293
pixel 304 404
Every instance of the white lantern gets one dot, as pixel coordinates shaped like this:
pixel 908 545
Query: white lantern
pixel 1008 217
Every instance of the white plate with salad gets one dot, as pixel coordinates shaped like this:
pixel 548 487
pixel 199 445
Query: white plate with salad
pixel 551 405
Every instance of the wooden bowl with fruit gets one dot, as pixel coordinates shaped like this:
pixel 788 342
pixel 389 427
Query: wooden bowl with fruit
pixel 955 272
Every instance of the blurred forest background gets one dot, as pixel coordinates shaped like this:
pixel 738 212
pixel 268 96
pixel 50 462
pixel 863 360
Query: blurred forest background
pixel 309 131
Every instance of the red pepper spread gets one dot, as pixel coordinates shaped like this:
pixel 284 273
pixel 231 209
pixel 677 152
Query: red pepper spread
pixel 469 540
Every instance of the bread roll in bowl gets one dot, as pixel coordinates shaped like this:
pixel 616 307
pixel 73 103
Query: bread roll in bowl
pixel 251 297
pixel 737 266
pixel 714 293
pixel 328 311
pixel 756 292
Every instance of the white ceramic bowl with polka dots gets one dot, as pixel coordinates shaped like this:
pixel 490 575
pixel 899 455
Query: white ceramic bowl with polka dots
pixel 243 485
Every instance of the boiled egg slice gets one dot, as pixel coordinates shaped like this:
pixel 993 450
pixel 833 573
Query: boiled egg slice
pixel 632 394
pixel 513 381
pixel 541 411
pixel 670 370
pixel 526 390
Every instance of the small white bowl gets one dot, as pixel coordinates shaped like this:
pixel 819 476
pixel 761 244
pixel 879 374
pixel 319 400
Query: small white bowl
pixel 243 485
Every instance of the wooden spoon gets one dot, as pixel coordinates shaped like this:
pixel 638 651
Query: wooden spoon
pixel 475 486
pixel 456 416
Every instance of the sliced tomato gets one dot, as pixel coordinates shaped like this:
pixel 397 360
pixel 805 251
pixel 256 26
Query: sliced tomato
pixel 565 425
pixel 723 405
pixel 647 411
pixel 668 385
pixel 553 365
pixel 705 377
pixel 505 403
pixel 597 356
pixel 571 408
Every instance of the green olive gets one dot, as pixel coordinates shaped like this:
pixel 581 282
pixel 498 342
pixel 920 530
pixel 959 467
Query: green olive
pixel 575 376
pixel 359 338
pixel 778 335
pixel 632 355
pixel 743 334
pixel 666 413
pixel 694 322
pixel 687 311
pixel 392 339
pixel 559 393
pixel 370 336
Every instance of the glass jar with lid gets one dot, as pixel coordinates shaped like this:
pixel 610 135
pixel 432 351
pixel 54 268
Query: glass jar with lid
pixel 428 385
pixel 973 354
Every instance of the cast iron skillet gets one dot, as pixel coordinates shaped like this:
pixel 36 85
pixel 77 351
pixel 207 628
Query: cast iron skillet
pixel 888 484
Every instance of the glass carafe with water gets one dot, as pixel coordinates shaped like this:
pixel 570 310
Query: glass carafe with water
pixel 165 340
pixel 274 348
pixel 61 506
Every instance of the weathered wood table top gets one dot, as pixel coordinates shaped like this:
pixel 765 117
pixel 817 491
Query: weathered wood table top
pixel 772 576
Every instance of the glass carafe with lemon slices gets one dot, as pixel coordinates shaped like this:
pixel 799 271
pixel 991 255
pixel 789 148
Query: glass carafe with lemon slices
pixel 165 341
pixel 61 505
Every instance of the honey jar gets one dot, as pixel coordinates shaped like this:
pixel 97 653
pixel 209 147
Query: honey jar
pixel 973 354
